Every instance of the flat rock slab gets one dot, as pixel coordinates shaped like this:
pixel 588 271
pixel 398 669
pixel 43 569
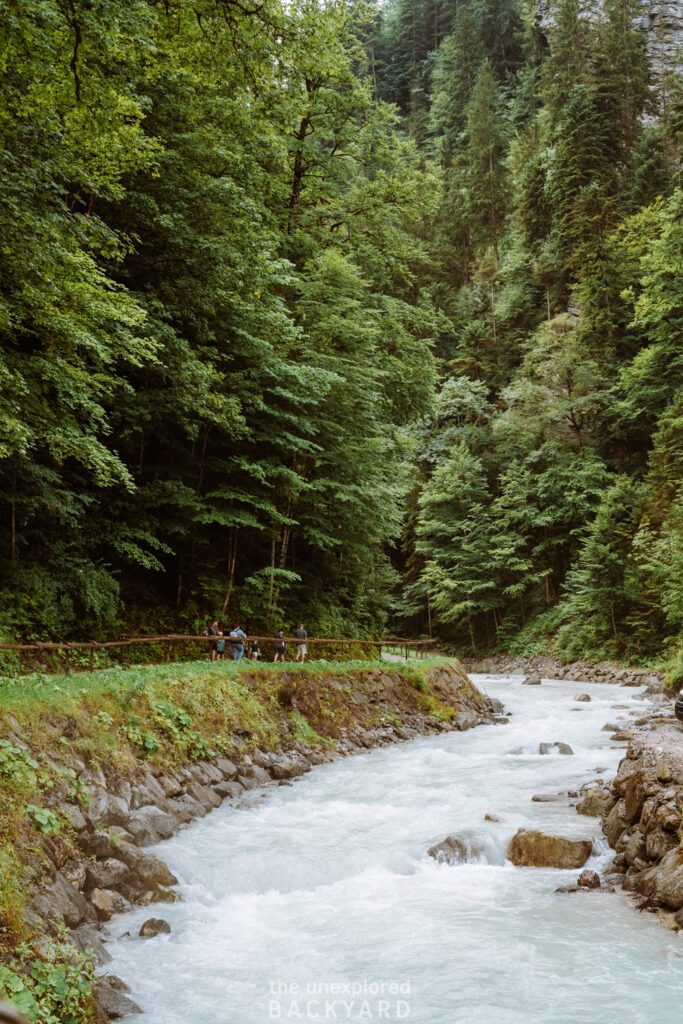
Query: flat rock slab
pixel 529 848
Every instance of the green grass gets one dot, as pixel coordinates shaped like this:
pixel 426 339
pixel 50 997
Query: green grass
pixel 50 691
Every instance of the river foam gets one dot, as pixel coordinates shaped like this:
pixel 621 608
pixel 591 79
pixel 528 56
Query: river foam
pixel 318 902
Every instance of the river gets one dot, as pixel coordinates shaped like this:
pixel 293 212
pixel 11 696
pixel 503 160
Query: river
pixel 318 902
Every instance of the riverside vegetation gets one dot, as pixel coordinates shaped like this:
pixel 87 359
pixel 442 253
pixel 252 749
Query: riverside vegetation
pixel 343 311
pixel 97 767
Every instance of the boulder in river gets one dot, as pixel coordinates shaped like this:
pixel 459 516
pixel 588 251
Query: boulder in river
pixel 466 849
pixel 533 679
pixel 589 879
pixel 562 748
pixel 529 848
pixel 583 698
pixel 154 926
pixel 596 802
pixel 451 850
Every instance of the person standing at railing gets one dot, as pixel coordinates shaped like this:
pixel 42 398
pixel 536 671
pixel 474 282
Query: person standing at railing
pixel 237 635
pixel 279 646
pixel 301 637
pixel 212 631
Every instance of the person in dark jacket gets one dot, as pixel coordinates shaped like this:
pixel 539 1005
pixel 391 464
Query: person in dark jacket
pixel 279 646
pixel 212 631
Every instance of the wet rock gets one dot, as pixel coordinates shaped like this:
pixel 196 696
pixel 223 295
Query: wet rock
pixel 227 769
pixel 259 775
pixel 668 879
pixel 549 798
pixel 119 902
pixel 287 768
pixel 185 808
pixel 451 850
pixel 145 869
pixel 106 874
pixel 589 879
pixel 530 848
pixel 596 802
pixel 466 720
pixel 148 825
pixel 492 817
pixel 584 698
pixel 154 926
pixel 170 785
pixel 620 737
pixel 615 823
pixel 103 904
pixel 229 790
pixel 209 798
pixel 212 773
pixel 88 939
pixel 533 679
pixel 611 727
pixel 562 748
pixel 165 895
pixel 110 994
pixel 247 783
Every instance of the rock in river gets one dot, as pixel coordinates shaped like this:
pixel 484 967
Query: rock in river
pixel 154 926
pixel 562 748
pixel 529 848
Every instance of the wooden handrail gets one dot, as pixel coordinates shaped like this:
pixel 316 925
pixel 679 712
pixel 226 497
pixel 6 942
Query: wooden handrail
pixel 128 640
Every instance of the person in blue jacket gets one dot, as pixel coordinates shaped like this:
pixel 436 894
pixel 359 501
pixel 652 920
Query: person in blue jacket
pixel 237 635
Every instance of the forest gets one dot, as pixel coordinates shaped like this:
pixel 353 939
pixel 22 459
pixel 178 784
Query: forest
pixel 363 313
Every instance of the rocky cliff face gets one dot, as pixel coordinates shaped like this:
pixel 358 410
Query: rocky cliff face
pixel 644 825
pixel 661 19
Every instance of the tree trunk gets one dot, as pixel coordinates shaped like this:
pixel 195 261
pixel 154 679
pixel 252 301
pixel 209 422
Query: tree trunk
pixel 13 540
pixel 232 558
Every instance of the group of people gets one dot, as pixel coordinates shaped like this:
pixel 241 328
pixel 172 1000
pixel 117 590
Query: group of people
pixel 237 639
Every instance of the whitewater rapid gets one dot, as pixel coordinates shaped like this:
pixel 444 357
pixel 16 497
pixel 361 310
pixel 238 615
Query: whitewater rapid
pixel 316 901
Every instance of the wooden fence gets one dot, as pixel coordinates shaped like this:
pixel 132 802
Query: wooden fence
pixel 167 646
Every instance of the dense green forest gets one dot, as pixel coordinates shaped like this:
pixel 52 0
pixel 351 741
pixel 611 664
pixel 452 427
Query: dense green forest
pixel 367 313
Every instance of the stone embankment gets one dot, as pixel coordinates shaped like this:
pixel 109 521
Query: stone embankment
pixel 577 671
pixel 98 866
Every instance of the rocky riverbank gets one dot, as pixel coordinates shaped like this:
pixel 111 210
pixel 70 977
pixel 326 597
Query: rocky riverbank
pixel 108 809
pixel 641 816
pixel 577 671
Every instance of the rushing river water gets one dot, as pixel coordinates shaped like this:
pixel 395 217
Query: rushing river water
pixel 318 902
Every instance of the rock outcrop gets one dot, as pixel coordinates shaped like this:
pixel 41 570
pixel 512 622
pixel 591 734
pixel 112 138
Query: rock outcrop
pixel 529 848
pixel 643 825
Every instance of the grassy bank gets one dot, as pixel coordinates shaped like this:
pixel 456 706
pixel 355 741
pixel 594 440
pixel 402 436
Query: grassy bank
pixel 59 736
